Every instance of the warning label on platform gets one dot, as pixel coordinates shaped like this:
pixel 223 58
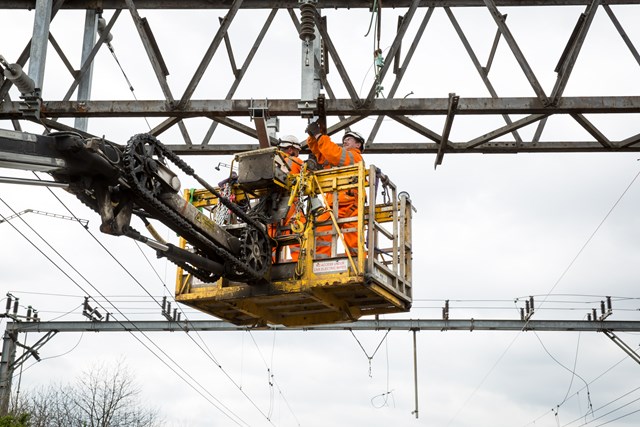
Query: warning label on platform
pixel 330 266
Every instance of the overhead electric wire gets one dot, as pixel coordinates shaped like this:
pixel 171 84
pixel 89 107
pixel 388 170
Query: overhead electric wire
pixel 113 53
pixel 131 332
pixel 572 371
pixel 63 315
pixel 620 417
pixel 53 357
pixel 207 353
pixel 386 394
pixel 185 329
pixel 566 270
pixel 39 250
pixel 591 236
pixel 270 373
pixel 578 392
pixel 604 406
pixel 611 412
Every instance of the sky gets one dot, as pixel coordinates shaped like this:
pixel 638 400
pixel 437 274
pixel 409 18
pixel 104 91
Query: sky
pixel 489 231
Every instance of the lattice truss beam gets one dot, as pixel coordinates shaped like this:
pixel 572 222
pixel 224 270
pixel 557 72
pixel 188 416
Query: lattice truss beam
pixel 449 76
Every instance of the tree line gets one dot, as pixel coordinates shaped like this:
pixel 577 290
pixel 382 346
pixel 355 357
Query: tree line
pixel 102 396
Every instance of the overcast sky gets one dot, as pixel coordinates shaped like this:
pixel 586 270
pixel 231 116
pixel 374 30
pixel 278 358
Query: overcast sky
pixel 490 231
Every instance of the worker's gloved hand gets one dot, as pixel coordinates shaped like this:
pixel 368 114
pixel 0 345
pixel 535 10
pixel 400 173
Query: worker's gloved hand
pixel 312 163
pixel 314 129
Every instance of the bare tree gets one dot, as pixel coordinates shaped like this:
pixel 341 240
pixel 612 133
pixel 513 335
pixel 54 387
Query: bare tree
pixel 102 396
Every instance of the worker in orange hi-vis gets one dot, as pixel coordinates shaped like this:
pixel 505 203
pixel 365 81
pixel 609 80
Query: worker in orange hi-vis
pixel 290 146
pixel 329 154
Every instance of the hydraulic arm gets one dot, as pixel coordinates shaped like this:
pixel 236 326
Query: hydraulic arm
pixel 137 179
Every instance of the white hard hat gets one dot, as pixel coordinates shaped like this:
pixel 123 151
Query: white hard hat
pixel 289 141
pixel 355 135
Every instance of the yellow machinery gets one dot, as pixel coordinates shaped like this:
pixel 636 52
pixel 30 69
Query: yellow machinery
pixel 311 290
pixel 235 258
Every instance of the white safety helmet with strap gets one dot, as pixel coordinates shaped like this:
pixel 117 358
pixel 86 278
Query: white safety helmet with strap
pixel 289 141
pixel 355 135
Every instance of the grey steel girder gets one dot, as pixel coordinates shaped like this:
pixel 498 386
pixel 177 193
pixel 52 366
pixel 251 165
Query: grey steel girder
pixel 335 107
pixel 372 325
pixel 269 4
pixel 358 105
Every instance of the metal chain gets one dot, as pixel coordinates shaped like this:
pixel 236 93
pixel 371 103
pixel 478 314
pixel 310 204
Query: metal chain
pixel 191 232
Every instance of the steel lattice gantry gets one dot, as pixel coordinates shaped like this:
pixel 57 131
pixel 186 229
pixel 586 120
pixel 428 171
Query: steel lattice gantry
pixel 514 123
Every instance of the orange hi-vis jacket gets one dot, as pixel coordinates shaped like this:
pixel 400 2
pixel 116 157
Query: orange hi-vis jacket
pixel 329 154
pixel 293 163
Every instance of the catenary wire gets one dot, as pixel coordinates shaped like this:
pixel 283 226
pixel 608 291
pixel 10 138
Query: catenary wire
pixel 57 355
pixel 572 371
pixel 620 417
pixel 146 291
pixel 604 406
pixel 578 392
pixel 113 53
pixel 131 332
pixel 207 353
pixel 612 411
pixel 566 270
pixel 272 377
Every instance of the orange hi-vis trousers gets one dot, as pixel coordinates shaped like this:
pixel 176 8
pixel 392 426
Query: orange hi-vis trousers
pixel 323 242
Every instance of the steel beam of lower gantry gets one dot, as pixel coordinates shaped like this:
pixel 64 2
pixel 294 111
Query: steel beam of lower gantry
pixel 432 148
pixel 364 325
pixel 335 107
pixel 269 4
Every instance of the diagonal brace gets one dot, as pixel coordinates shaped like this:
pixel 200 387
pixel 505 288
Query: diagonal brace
pixel 617 341
pixel 451 111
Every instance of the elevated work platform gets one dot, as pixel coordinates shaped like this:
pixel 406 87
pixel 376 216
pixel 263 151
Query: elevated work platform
pixel 373 278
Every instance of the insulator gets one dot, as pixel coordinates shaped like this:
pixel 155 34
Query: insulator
pixel 9 300
pixel 20 79
pixel 102 26
pixel 608 303
pixel 593 310
pixel 307 26
pixel 85 307
pixel 602 306
pixel 15 306
pixel 522 314
pixel 29 312
pixel 588 317
pixel 531 303
pixel 164 304
pixel 175 314
pixel 107 318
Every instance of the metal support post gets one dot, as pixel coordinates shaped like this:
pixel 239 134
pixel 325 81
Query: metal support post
pixel 7 360
pixel 415 372
pixel 39 41
pixel 88 41
pixel 310 63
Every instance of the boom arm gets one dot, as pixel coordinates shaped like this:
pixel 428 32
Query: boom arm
pixel 119 181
